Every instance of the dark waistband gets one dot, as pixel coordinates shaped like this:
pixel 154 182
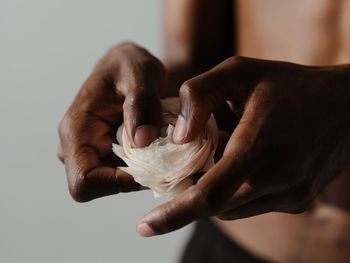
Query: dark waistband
pixel 208 244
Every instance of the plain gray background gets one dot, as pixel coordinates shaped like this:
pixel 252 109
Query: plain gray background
pixel 47 49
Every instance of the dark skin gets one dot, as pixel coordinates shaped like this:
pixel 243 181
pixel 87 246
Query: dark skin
pixel 293 137
pixel 124 85
pixel 291 141
pixel 295 134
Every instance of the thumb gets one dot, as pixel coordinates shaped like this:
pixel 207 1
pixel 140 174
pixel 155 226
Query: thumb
pixel 142 118
pixel 139 77
pixel 199 96
pixel 212 193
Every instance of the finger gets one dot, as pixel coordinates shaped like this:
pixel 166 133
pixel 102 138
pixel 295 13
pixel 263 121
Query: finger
pixel 247 193
pixel 200 200
pixel 210 194
pixel 142 118
pixel 90 165
pixel 214 189
pixel 88 179
pixel 88 131
pixel 139 81
pixel 276 202
pixel 173 215
pixel 201 95
pixel 197 99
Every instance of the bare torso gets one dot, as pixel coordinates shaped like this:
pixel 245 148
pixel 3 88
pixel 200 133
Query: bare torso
pixel 313 32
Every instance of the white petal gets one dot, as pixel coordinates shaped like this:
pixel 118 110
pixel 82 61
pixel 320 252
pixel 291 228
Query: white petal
pixel 164 166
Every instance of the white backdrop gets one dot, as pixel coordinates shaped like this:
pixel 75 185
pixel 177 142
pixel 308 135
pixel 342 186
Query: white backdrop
pixel 47 49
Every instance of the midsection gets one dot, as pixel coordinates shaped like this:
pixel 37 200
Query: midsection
pixel 314 32
pixel 321 235
pixel 311 32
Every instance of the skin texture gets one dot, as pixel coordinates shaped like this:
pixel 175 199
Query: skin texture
pixel 291 141
pixel 292 135
pixel 124 85
pixel 310 32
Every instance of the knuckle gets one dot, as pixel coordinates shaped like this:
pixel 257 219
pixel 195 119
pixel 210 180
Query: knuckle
pixel 202 91
pixel 63 126
pixel 142 102
pixel 152 66
pixel 236 59
pixel 80 174
pixel 60 132
pixel 79 189
pixel 60 156
pixel 206 200
pixel 63 134
pixel 167 222
pixel 240 66
pixel 190 90
pixel 60 127
pixel 124 46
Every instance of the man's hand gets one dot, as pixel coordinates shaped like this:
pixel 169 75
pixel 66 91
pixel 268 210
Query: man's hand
pixel 124 86
pixel 292 139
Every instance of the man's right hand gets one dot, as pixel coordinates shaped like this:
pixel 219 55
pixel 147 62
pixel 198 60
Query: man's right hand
pixel 123 87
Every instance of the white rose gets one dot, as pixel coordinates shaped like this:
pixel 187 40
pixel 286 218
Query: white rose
pixel 163 166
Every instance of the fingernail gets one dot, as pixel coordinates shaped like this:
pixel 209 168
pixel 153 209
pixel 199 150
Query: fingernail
pixel 180 129
pixel 145 230
pixel 145 135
